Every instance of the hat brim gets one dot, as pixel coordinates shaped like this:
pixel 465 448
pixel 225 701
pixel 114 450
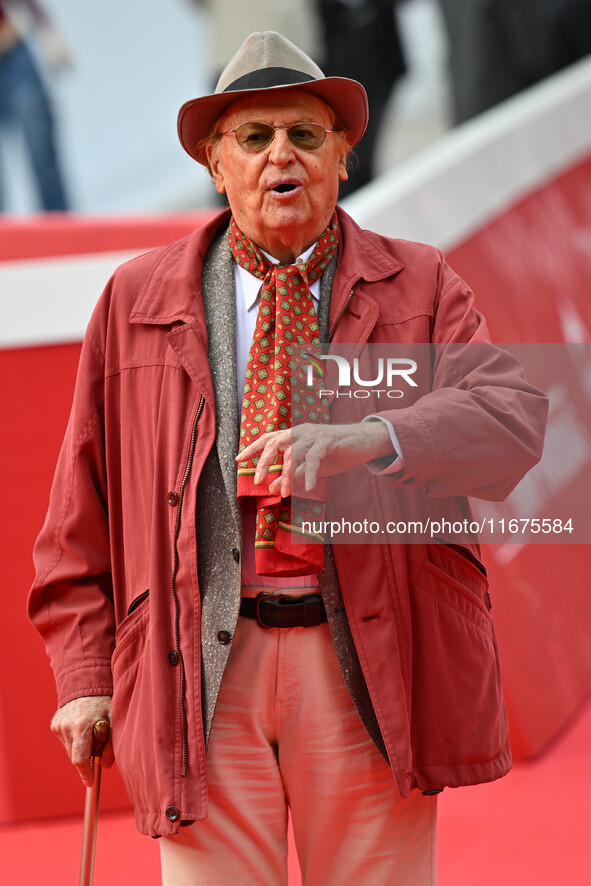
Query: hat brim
pixel 346 97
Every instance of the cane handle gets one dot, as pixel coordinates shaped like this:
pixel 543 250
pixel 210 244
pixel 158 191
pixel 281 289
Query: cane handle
pixel 100 736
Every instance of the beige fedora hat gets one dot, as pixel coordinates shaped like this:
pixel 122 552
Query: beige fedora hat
pixel 268 62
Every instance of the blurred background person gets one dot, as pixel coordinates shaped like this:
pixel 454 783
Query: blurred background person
pixel 233 20
pixel 362 41
pixel 24 101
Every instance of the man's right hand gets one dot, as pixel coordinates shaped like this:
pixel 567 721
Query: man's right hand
pixel 73 724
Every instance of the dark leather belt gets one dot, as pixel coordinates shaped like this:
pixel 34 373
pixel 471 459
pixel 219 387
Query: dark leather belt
pixel 283 611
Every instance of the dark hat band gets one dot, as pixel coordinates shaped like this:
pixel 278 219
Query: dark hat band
pixel 266 78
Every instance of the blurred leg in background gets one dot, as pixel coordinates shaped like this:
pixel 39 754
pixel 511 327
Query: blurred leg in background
pixel 25 107
pixel 565 33
pixel 362 41
pixel 493 51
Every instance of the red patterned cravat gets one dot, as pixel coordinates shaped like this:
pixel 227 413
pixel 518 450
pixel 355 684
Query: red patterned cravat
pixel 286 318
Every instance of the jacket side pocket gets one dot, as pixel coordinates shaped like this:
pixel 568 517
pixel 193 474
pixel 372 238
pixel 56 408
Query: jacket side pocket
pixel 458 710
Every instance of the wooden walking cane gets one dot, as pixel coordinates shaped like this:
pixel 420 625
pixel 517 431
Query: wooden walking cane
pixel 100 736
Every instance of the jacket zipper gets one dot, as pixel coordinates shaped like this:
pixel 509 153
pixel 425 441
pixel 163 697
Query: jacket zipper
pixel 177 633
pixel 340 317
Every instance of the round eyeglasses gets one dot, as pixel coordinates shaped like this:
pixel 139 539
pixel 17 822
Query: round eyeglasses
pixel 256 136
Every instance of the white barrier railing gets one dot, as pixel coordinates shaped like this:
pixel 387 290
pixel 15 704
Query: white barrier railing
pixel 474 172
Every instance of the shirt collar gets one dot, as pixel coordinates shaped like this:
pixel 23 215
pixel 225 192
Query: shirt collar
pixel 251 285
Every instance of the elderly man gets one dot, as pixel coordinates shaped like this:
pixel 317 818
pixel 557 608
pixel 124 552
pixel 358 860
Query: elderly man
pixel 251 669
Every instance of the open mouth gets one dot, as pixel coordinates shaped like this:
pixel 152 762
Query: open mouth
pixel 284 188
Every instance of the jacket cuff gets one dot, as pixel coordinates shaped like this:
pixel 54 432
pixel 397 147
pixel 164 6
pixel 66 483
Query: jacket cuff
pixel 91 678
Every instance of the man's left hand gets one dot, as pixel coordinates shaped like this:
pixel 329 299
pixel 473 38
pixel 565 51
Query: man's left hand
pixel 315 451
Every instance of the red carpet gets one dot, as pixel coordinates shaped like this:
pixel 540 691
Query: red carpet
pixel 529 829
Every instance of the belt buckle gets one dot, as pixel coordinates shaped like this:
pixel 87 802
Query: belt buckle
pixel 258 600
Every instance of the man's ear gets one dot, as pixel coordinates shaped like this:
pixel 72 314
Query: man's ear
pixel 212 153
pixel 343 173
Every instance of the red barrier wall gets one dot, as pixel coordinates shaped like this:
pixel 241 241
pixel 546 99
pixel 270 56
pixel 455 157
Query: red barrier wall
pixel 67 234
pixel 36 387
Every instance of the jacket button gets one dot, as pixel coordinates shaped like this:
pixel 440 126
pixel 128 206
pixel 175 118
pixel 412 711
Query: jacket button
pixel 224 637
pixel 172 498
pixel 236 554
pixel 173 657
pixel 172 813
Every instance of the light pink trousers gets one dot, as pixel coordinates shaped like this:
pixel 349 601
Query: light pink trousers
pixel 285 733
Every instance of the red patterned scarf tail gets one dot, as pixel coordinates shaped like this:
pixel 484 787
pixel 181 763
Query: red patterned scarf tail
pixel 286 320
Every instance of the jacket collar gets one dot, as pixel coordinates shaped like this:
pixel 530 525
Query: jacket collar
pixel 171 291
pixel 362 258
pixel 365 258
